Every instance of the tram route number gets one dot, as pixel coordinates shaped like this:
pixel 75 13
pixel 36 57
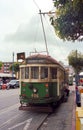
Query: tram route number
pixel 35 95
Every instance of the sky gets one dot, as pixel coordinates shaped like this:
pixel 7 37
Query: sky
pixel 21 31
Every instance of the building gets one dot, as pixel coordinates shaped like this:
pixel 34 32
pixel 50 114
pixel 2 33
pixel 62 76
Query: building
pixel 6 67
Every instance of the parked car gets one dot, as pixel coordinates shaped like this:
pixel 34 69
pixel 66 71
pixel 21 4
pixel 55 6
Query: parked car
pixel 1 83
pixel 13 84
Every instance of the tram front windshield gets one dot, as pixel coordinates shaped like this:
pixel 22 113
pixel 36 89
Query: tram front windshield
pixel 36 72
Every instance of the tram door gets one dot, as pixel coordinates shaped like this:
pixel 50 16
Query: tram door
pixel 60 81
pixel 53 81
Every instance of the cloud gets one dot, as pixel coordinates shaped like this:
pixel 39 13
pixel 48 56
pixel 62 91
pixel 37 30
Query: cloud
pixel 31 31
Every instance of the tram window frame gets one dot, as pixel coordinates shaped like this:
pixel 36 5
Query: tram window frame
pixel 61 74
pixel 23 73
pixel 35 72
pixel 53 72
pixel 26 72
pixel 44 72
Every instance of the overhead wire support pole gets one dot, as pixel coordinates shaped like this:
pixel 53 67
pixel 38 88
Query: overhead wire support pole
pixel 44 32
pixel 13 66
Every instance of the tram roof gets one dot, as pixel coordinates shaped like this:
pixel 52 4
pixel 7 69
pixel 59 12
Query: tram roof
pixel 46 57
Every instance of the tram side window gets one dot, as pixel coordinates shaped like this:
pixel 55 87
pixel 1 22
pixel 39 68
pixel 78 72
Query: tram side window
pixel 22 73
pixel 34 72
pixel 53 73
pixel 26 72
pixel 44 72
pixel 61 75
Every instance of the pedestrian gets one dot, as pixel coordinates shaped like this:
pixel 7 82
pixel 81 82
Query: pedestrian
pixel 66 89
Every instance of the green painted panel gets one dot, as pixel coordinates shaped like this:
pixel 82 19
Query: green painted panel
pixel 27 89
pixel 53 89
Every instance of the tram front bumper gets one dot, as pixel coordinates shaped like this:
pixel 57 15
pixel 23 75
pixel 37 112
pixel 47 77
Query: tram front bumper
pixel 38 100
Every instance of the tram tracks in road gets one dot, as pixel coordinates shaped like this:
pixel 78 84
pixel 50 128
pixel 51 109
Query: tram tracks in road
pixel 23 121
pixel 43 121
pixel 30 124
pixel 36 124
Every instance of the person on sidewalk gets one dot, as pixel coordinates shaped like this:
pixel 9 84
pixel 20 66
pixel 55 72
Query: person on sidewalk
pixel 66 89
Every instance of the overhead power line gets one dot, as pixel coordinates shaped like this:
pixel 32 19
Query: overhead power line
pixel 36 4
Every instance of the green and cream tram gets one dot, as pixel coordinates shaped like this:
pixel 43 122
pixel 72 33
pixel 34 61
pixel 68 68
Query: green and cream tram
pixel 41 82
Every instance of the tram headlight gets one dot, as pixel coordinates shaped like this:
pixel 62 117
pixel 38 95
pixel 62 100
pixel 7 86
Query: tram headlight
pixel 35 90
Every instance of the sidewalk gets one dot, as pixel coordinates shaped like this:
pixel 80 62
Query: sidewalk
pixel 64 116
pixel 74 113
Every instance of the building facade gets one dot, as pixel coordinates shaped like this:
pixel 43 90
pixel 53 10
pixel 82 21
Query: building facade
pixel 6 67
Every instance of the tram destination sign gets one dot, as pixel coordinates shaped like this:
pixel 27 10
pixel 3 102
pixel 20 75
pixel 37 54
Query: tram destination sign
pixel 35 61
pixel 21 56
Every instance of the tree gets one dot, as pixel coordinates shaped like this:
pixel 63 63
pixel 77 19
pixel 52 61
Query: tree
pixel 15 66
pixel 68 23
pixel 0 65
pixel 76 60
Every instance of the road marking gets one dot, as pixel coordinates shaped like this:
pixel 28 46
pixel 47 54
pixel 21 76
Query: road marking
pixel 9 108
pixel 9 120
pixel 27 124
pixel 19 124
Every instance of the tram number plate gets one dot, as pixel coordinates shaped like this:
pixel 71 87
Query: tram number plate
pixel 35 95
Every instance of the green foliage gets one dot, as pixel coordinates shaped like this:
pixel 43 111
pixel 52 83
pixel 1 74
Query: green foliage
pixel 1 64
pixel 15 66
pixel 68 24
pixel 76 60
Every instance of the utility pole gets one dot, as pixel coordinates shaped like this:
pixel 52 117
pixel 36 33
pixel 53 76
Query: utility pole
pixel 13 65
pixel 76 78
pixel 78 97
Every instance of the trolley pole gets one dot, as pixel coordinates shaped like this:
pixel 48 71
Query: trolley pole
pixel 44 32
pixel 13 65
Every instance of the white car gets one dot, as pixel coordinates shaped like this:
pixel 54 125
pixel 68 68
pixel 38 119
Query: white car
pixel 13 84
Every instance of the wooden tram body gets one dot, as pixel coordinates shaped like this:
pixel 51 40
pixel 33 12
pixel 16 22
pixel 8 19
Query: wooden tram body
pixel 41 82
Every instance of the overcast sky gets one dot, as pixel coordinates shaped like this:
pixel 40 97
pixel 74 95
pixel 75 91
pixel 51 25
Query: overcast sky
pixel 21 30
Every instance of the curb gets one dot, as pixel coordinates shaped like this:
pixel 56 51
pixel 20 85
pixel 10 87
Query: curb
pixel 73 114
